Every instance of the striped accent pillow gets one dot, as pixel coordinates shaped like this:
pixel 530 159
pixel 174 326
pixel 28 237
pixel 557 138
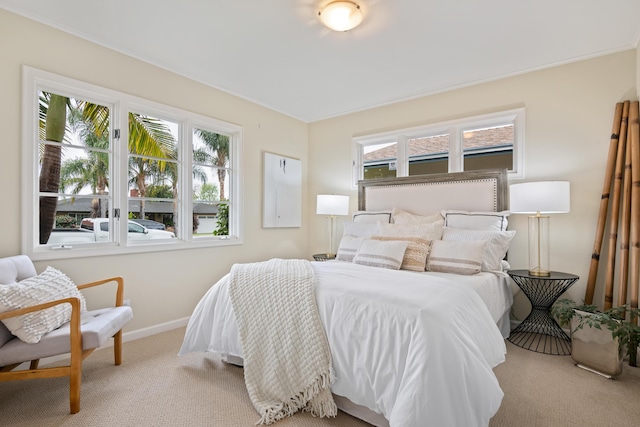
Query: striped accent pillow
pixel 348 247
pixel 457 257
pixel 497 244
pixel 48 286
pixel 378 253
pixel 415 257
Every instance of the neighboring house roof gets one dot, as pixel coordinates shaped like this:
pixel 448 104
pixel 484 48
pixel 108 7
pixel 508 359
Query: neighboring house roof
pixel 481 138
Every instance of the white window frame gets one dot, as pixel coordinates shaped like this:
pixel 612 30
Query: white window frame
pixel 455 129
pixel 121 104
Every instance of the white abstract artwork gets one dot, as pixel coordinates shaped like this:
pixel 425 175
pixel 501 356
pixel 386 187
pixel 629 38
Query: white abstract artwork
pixel 282 197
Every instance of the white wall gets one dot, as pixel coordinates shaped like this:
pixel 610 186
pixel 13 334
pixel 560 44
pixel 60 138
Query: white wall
pixel 569 115
pixel 569 111
pixel 162 286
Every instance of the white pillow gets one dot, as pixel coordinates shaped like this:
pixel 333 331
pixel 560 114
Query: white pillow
pixel 398 216
pixel 431 231
pixel 348 247
pixel 476 220
pixel 498 244
pixel 415 257
pixel 456 257
pixel 377 253
pixel 48 286
pixel 372 216
pixel 360 229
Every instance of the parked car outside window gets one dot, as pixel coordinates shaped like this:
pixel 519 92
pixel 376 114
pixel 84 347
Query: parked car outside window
pixel 147 223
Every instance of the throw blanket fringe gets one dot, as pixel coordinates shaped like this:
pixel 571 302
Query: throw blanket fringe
pixel 287 360
pixel 315 399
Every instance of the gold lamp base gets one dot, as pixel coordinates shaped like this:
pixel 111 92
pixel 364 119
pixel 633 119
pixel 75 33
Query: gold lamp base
pixel 539 246
pixel 540 273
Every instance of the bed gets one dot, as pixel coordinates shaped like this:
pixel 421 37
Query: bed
pixel 408 348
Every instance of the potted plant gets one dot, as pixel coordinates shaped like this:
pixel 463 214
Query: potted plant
pixel 599 339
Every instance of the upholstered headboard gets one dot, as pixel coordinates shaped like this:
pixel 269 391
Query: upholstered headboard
pixel 482 190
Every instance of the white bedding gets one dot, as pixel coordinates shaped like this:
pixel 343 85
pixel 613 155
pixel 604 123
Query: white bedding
pixel 418 348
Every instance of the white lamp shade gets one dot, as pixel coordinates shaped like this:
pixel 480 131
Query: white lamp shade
pixel 544 197
pixel 331 204
pixel 341 15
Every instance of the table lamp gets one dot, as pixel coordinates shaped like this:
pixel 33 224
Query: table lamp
pixel 332 205
pixel 539 199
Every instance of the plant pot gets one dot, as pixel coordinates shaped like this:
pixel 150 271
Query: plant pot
pixel 595 348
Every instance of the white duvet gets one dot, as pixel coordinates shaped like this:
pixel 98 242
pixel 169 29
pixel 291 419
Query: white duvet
pixel 418 348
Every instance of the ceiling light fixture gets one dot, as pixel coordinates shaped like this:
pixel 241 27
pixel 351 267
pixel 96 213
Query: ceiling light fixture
pixel 341 15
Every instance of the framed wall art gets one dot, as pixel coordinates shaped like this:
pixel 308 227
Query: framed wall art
pixel 282 195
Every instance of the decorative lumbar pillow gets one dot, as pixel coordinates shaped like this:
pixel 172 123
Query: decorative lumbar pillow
pixel 360 229
pixel 48 286
pixel 476 220
pixel 456 257
pixel 348 247
pixel 372 216
pixel 415 257
pixel 378 253
pixel 398 216
pixel 430 231
pixel 497 247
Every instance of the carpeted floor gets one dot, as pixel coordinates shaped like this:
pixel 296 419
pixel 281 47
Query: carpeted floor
pixel 155 387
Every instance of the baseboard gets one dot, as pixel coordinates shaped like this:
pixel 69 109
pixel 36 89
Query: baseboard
pixel 152 330
pixel 127 336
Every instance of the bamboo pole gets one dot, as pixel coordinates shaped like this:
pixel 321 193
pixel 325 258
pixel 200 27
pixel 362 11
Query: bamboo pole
pixel 634 128
pixel 623 277
pixel 604 205
pixel 615 209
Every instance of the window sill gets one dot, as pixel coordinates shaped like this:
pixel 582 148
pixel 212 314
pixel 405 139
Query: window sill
pixel 86 251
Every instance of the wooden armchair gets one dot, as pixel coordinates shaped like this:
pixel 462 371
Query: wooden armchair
pixel 86 331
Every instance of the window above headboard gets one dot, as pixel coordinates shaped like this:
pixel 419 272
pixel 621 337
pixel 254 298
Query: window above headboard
pixel 488 141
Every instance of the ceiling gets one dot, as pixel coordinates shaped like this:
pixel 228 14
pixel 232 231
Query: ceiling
pixel 277 53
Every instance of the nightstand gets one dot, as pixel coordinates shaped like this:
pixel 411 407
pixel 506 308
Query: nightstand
pixel 540 332
pixel 323 257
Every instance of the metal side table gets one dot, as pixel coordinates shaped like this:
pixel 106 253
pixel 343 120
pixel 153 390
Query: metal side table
pixel 540 332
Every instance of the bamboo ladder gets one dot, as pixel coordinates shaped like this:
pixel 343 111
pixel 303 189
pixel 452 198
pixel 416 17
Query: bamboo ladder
pixel 623 174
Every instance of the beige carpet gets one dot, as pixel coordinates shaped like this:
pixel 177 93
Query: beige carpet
pixel 154 387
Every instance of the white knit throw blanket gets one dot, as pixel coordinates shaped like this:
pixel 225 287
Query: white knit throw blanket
pixel 287 360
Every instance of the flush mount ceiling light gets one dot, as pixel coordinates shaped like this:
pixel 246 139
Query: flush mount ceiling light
pixel 341 15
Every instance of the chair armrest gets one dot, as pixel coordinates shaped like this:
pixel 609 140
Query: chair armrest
pixel 75 341
pixel 75 305
pixel 119 291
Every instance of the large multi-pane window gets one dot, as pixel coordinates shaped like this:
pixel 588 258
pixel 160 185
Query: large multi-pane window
pixel 481 142
pixel 106 172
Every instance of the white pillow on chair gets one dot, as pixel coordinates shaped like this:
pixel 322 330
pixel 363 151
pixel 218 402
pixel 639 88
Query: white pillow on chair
pixel 48 286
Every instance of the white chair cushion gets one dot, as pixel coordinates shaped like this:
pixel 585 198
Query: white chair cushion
pixel 98 326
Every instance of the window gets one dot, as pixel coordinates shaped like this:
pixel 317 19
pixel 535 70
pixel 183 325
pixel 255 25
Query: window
pixel 97 160
pixel 481 142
